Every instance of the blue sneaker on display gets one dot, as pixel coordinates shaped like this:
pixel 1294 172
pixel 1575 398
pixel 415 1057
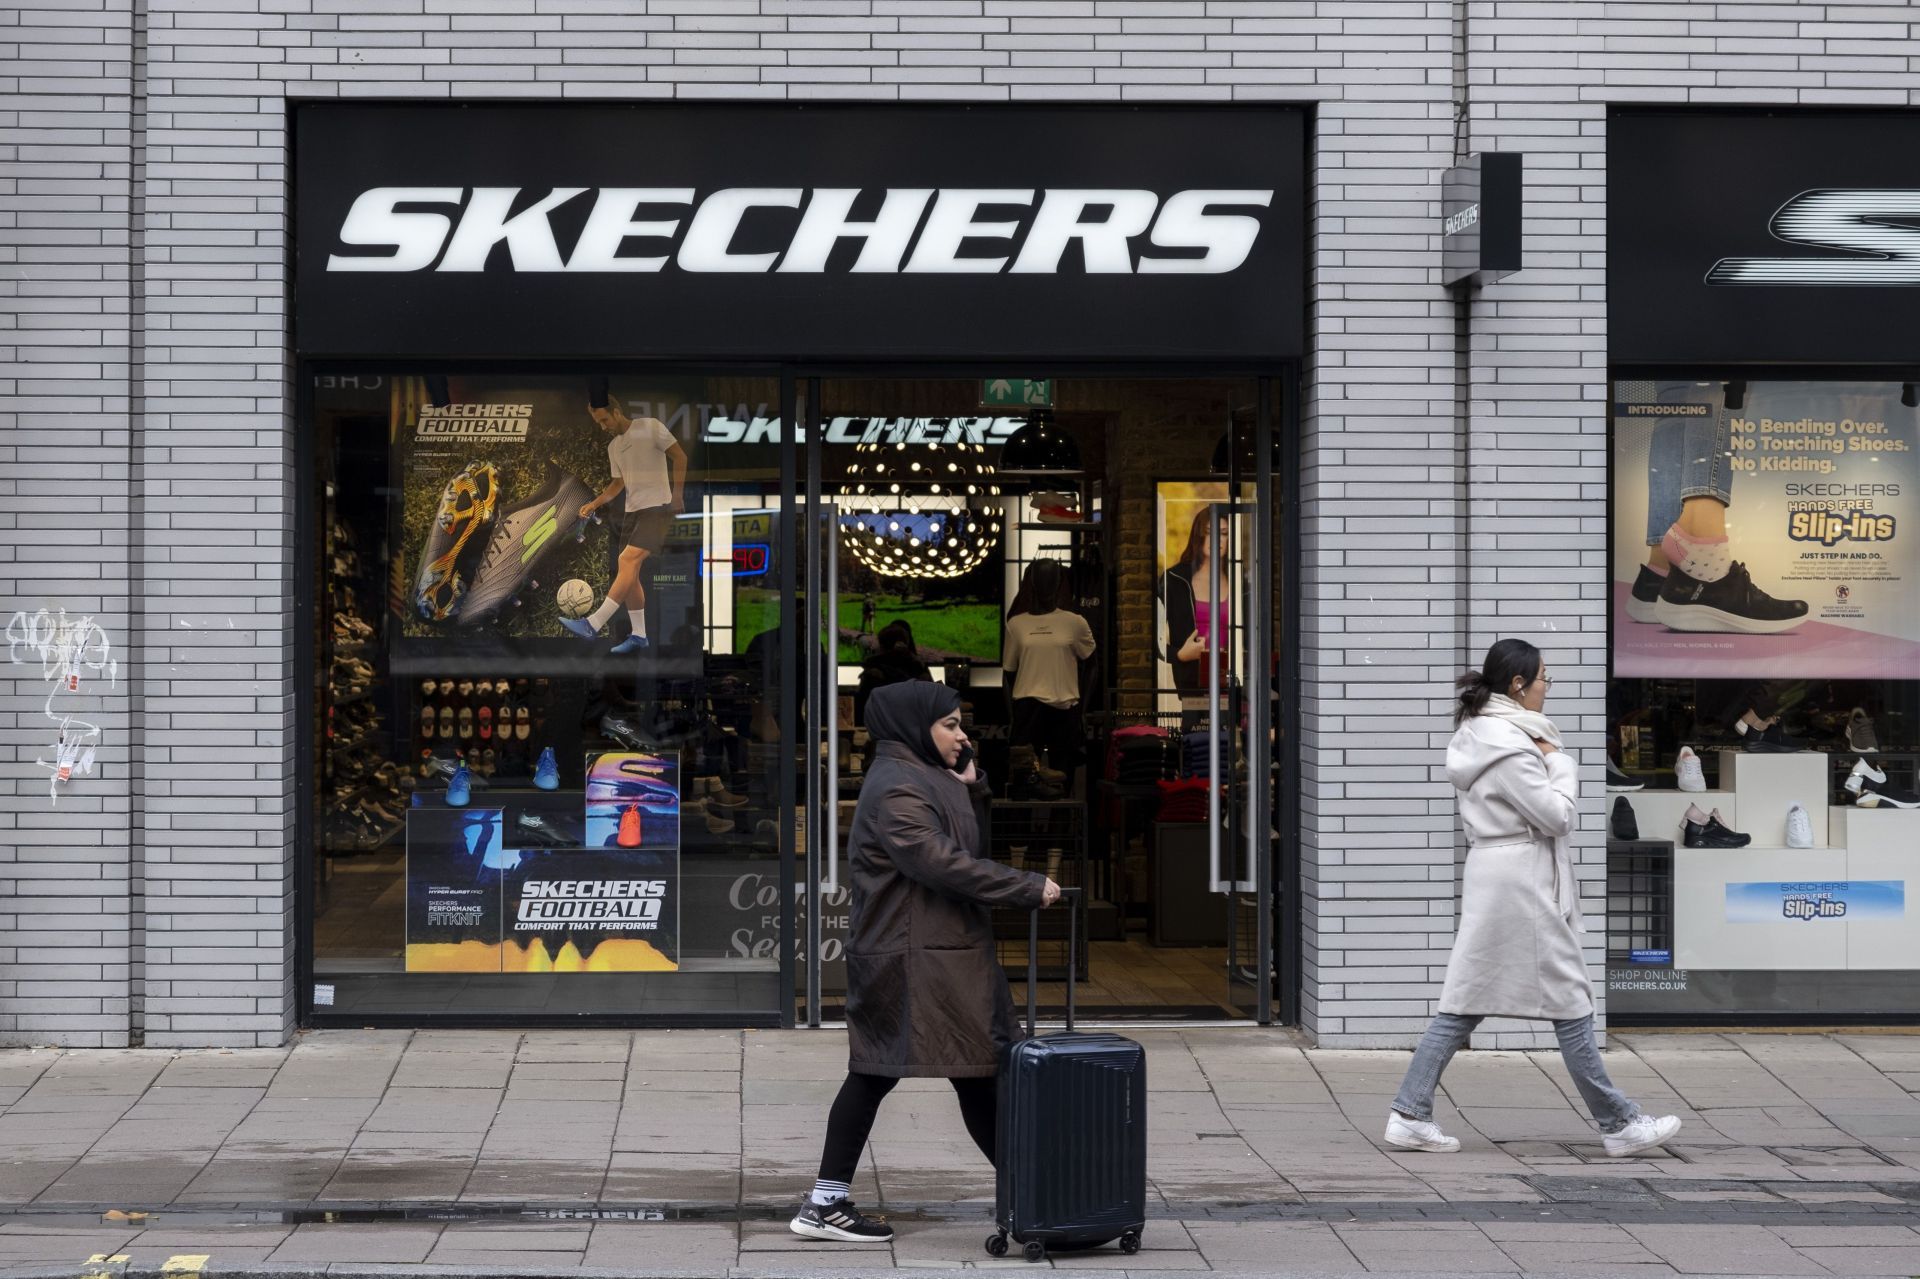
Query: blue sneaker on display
pixel 546 774
pixel 580 626
pixel 632 644
pixel 459 787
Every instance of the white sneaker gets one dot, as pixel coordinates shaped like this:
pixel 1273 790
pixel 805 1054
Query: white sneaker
pixel 1644 1133
pixel 1687 769
pixel 1418 1134
pixel 1799 828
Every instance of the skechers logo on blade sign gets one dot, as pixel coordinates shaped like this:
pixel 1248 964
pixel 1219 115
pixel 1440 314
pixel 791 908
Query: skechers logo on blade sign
pixel 914 230
pixel 1874 223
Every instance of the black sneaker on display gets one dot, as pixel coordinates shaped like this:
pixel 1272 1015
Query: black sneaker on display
pixel 1623 823
pixel 622 729
pixel 839 1220
pixel 1733 605
pixel 1618 781
pixel 1645 596
pixel 543 831
pixel 1770 741
pixel 1711 832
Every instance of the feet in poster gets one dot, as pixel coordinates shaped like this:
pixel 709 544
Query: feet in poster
pixel 492 889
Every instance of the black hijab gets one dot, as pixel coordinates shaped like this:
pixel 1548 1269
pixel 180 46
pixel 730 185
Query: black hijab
pixel 906 713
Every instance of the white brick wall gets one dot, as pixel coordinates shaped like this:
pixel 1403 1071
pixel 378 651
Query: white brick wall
pixel 205 480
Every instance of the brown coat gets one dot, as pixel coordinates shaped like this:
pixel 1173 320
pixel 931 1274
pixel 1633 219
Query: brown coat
pixel 925 994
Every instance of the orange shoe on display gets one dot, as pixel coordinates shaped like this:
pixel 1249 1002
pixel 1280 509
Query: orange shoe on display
pixel 629 836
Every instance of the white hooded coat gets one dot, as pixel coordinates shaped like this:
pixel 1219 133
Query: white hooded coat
pixel 1518 950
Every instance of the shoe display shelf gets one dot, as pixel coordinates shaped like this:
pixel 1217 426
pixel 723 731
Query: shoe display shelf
pixel 1716 924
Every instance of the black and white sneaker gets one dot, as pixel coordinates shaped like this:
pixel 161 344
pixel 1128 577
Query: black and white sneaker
pixel 1645 596
pixel 839 1220
pixel 1619 782
pixel 1706 830
pixel 1871 789
pixel 1733 605
pixel 621 728
pixel 543 831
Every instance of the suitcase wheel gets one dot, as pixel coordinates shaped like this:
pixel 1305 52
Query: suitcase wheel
pixel 996 1245
pixel 1035 1250
pixel 1130 1242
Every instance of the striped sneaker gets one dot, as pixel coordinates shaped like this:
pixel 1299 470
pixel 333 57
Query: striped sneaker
pixel 840 1220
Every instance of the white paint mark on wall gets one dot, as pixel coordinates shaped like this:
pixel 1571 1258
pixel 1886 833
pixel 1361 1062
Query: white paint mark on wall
pixel 69 651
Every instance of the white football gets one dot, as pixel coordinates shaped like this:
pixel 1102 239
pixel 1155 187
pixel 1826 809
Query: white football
pixel 574 598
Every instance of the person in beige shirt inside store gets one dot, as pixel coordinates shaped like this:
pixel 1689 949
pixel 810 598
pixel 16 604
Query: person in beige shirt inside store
pixel 1040 660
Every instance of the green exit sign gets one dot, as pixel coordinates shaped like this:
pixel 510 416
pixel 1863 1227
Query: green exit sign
pixel 1016 393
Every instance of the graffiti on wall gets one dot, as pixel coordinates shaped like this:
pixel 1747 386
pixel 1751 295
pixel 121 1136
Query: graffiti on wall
pixel 70 651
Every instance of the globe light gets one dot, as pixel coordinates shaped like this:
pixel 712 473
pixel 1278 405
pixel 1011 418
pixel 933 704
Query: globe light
pixel 920 510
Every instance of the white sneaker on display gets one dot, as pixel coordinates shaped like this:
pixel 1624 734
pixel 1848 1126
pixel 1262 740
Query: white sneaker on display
pixel 1418 1134
pixel 1644 1133
pixel 1687 769
pixel 1799 827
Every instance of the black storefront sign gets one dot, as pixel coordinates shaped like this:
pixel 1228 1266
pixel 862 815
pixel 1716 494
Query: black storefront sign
pixel 1763 237
pixel 793 233
pixel 1480 219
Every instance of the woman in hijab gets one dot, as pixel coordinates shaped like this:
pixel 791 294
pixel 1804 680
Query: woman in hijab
pixel 925 994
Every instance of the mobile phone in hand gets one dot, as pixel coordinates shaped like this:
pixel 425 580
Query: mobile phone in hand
pixel 965 761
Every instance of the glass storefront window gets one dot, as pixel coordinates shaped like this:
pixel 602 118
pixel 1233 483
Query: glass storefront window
pixel 1764 700
pixel 549 752
pixel 553 772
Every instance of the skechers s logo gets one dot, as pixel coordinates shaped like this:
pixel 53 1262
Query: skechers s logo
pixel 1880 224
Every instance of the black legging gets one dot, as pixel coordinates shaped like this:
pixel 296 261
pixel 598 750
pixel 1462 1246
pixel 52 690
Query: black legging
pixel 850 1122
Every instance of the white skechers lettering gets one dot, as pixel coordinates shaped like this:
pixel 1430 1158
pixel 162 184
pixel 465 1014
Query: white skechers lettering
pixel 916 230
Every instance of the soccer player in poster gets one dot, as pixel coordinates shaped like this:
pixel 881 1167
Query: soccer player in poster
pixel 650 471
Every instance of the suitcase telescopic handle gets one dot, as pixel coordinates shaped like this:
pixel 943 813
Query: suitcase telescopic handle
pixel 1070 898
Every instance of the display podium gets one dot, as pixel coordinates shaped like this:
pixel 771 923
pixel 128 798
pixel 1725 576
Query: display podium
pixel 1841 904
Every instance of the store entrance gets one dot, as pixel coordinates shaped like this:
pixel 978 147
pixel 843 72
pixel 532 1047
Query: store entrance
pixel 1096 566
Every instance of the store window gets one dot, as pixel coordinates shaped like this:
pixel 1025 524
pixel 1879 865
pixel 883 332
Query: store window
pixel 549 761
pixel 1764 704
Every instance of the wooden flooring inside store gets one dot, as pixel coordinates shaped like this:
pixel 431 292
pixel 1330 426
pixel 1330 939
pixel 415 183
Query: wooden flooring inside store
pixel 362 913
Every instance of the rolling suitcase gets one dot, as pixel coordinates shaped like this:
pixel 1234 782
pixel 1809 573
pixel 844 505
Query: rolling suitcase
pixel 1073 1130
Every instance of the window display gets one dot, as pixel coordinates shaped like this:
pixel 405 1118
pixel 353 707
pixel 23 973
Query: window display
pixel 1764 706
pixel 548 768
pixel 560 634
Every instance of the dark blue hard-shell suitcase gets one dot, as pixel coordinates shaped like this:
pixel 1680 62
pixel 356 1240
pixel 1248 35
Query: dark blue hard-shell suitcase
pixel 1073 1130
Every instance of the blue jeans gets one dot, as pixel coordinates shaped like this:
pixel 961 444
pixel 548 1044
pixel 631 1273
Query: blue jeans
pixel 1688 457
pixel 1448 1033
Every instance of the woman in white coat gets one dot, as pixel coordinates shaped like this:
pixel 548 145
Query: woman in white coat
pixel 1518 950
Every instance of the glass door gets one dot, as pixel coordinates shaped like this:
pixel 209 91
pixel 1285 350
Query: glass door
pixel 1094 570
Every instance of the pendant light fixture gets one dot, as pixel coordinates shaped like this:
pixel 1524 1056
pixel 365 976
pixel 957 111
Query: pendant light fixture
pixel 1040 447
pixel 920 510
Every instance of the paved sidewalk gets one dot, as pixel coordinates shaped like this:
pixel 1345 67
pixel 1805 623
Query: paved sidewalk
pixel 683 1151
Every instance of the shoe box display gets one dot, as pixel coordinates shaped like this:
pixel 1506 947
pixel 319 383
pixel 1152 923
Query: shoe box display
pixel 364 796
pixel 496 727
